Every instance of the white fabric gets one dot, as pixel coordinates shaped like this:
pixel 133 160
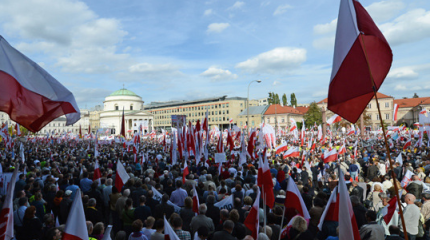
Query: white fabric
pixel 292 187
pixel 169 231
pixel 121 172
pixel 76 223
pixel 345 211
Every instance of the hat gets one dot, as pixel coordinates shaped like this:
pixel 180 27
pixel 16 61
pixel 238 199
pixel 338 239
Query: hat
pixel 68 192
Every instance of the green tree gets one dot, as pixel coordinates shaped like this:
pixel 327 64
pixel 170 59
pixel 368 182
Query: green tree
pixel 270 98
pixel 293 100
pixel 284 100
pixel 276 99
pixel 415 95
pixel 313 115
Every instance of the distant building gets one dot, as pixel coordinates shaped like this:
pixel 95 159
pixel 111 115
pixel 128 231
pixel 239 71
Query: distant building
pixel 263 102
pixel 256 116
pixel 409 109
pixel 279 116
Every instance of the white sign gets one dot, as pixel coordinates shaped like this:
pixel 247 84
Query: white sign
pixel 226 203
pixel 157 196
pixel 220 157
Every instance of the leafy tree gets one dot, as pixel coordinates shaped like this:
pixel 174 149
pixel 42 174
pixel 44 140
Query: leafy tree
pixel 276 99
pixel 270 98
pixel 284 100
pixel 313 115
pixel 273 98
pixel 293 100
pixel 366 118
pixel 415 95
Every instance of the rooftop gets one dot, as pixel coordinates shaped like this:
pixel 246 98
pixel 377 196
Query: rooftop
pixel 278 109
pixel 123 92
pixel 380 96
pixel 412 102
pixel 254 110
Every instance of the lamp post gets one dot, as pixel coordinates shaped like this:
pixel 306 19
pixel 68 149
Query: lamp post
pixel 247 105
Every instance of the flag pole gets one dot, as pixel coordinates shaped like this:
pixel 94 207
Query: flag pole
pixel 282 222
pixel 387 148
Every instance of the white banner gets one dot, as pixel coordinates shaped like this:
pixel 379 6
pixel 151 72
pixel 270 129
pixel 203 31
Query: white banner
pixel 406 178
pixel 157 196
pixel 219 157
pixel 226 203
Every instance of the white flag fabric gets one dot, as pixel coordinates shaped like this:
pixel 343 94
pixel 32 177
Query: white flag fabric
pixel 76 227
pixel 6 218
pixel 399 159
pixel 169 234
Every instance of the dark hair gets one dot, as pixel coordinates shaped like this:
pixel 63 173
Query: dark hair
pixel 159 224
pixel 203 231
pixel 165 198
pixel 371 215
pixel 177 222
pixel 30 212
pixel 394 230
pixel 137 225
pixel 22 201
pixel 178 183
pixel 142 199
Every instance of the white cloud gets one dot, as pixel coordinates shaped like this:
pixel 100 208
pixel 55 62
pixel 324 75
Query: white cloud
pixel 281 9
pixel 151 68
pixel 403 73
pixel 215 73
pixel 325 43
pixel 67 31
pixel 236 5
pixel 409 27
pixel 326 28
pixel 217 27
pixel 385 10
pixel 283 59
pixel 401 87
pixel 275 83
pixel 208 12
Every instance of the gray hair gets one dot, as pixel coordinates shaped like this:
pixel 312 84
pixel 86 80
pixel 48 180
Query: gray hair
pixel 126 193
pixel 229 224
pixel 92 202
pixel 202 208
pixel 355 200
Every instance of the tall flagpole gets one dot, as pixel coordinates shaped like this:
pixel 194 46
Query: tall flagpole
pixel 396 189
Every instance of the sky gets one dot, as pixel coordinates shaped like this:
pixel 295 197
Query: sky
pixel 189 49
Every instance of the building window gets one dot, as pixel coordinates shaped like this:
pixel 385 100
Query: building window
pixel 223 118
pixel 387 105
pixel 241 104
pixel 252 123
pixel 116 108
pixel 387 116
pixel 223 111
pixel 227 111
pixel 377 116
pixel 131 107
pixel 241 123
pixel 219 112
pixel 268 120
pixel 369 105
pixel 282 120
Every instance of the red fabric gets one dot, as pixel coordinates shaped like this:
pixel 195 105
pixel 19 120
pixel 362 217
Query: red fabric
pixel 186 172
pixel 118 182
pixel 333 211
pixel 122 133
pixel 281 176
pixel 67 236
pixel 390 209
pixel 31 110
pixel 292 205
pixel 351 89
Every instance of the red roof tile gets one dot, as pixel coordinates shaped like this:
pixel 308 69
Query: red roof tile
pixel 380 95
pixel 280 110
pixel 303 110
pixel 411 102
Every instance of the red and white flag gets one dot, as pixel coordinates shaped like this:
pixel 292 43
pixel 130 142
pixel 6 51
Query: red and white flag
pixel 331 211
pixel 121 176
pixel 264 181
pixel 252 221
pixel 169 234
pixel 407 178
pixel 330 156
pixel 293 124
pixel 17 129
pixel 407 144
pixel 6 216
pixel 292 152
pixel 334 119
pixel 231 120
pixel 361 54
pixel 281 148
pixel 395 111
pixel 347 224
pixel 195 201
pixel 29 94
pixel 294 203
pixel 76 226
pixel 342 149
pixel 97 175
pixel 351 130
pixel 185 172
pixel 388 211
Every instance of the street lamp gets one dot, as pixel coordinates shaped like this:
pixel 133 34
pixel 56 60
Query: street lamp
pixel 247 105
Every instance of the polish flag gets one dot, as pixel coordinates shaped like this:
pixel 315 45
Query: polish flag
pixel 395 111
pixel 122 132
pixel 185 172
pixel 302 133
pixel 424 112
pixel 231 120
pixel 76 227
pixel 361 55
pixel 121 176
pixel 6 216
pixel 331 211
pixel 17 129
pixel 330 156
pixel 29 94
pixel 293 124
pixel 351 130
pixel 169 234
pixel 230 141
pixel 334 119
pixel 264 181
pixel 320 133
pixel 407 144
pixel 220 145
pixel 195 201
pixel 294 203
pixel 252 221
pixel 388 211
pixel 342 150
pixel 97 175
pixel 347 224
pixel 292 152
pixel 281 148
pixel 399 159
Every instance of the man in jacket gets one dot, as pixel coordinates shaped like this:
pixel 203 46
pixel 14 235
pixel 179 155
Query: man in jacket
pixel 225 233
pixel 201 220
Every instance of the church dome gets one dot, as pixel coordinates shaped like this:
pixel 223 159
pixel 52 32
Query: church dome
pixel 123 92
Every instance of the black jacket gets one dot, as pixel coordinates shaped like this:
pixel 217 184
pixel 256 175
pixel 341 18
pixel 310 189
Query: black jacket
pixel 224 235
pixel 357 191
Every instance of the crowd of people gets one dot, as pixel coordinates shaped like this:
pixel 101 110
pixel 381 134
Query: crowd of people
pixel 54 171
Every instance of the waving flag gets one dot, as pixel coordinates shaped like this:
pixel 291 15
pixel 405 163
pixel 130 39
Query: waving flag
pixel 6 216
pixel 264 180
pixel 29 94
pixel 334 119
pixel 121 176
pixel 388 211
pixel 294 203
pixel 361 55
pixel 196 202
pixel 76 227
pixel 281 148
pixel 169 234
pixel 395 111
pixel 252 221
pixel 347 224
pixel 292 152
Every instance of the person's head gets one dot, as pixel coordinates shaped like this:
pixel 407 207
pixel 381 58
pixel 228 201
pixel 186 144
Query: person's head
pixel 149 222
pixel 128 203
pixel 223 214
pixel 299 223
pixel 165 198
pixel 126 193
pixel 425 196
pixel 22 201
pixel 177 223
pixel 210 200
pixel 203 232
pixel 377 188
pixel 202 209
pixel 355 201
pixel 142 199
pixel 30 212
pixel 237 202
pixel 92 202
pixel 109 182
pixel 228 226
pixel 99 229
pixel 410 198
pixel 234 215
pixel 159 225
pixel 370 215
pixel 53 234
pixel 188 203
pixel 137 225
pixel 121 235
pixel 394 230
pixel 247 200
pixel 178 184
pixel 89 227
